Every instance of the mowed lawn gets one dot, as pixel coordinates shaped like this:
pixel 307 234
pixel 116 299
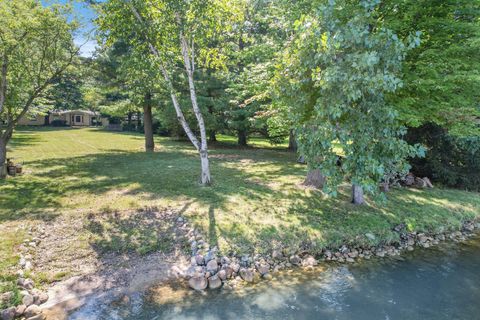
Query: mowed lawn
pixel 255 202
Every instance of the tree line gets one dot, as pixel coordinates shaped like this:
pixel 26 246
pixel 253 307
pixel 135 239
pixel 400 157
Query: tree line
pixel 347 81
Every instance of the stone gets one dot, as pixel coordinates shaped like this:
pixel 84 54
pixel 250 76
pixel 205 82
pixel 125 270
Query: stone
pixel 32 310
pixel 199 260
pixel 6 297
pixel 8 314
pixel 245 261
pixel 409 180
pixel 350 260
pixel 420 183
pixel 37 317
pixel 295 260
pixel 222 274
pixel 267 276
pixel 225 260
pixel 211 255
pixel 422 238
pixel 370 236
pixel 309 261
pixel 214 282
pixel 28 300
pixel 263 269
pixel 353 254
pixel 40 298
pixel 246 275
pixel 198 283
pixel 235 267
pixel 26 283
pixel 428 183
pixel 212 266
pixel 20 310
pixel 277 255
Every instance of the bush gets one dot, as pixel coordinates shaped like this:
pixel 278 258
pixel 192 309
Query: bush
pixel 58 123
pixel 452 161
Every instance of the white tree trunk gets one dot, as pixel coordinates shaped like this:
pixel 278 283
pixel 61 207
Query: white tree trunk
pixel 188 58
pixel 357 194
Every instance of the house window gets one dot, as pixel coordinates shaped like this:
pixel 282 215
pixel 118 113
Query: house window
pixel 78 119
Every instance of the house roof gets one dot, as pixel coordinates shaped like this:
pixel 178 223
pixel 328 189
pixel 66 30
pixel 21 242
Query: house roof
pixel 60 112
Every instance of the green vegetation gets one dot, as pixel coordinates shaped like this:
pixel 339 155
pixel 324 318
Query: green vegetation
pixel 255 201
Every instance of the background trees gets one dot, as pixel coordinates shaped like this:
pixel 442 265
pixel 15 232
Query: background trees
pixel 338 69
pixel 36 47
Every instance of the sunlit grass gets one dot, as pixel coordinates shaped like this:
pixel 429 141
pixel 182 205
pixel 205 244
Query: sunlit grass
pixel 255 202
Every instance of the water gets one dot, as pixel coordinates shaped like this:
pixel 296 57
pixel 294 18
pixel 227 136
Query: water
pixel 436 283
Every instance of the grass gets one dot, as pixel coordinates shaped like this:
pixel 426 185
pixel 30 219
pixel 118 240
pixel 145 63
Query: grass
pixel 255 202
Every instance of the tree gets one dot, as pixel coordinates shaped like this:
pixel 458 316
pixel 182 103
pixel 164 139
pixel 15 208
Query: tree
pixel 36 47
pixel 442 76
pixel 335 76
pixel 173 32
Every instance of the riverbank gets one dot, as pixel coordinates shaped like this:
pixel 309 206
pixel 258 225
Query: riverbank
pixel 101 203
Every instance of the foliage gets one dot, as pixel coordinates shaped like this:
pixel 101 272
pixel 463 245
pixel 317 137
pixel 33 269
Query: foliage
pixel 335 76
pixel 451 160
pixel 442 75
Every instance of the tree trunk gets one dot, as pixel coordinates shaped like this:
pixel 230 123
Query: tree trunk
pixel 147 124
pixel 3 158
pixel 242 138
pixel 139 120
pixel 315 179
pixel 189 62
pixel 129 120
pixel 292 142
pixel 213 136
pixel 357 194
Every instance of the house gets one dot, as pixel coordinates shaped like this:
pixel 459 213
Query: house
pixel 81 118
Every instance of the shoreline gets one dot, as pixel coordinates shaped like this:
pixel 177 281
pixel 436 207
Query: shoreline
pixel 208 270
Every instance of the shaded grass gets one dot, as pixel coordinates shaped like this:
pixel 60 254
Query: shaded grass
pixel 254 203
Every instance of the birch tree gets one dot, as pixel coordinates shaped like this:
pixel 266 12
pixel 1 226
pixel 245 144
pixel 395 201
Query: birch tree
pixel 176 33
pixel 36 47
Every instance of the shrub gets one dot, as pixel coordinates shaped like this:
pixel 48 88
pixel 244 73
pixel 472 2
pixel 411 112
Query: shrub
pixel 452 161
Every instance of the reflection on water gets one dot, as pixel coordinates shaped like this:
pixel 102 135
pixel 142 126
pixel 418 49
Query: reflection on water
pixel 438 283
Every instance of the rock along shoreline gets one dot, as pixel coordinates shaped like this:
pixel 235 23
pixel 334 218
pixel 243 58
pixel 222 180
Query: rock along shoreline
pixel 210 270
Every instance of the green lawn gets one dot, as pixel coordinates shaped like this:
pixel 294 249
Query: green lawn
pixel 256 200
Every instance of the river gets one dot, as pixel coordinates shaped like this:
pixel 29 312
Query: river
pixel 436 283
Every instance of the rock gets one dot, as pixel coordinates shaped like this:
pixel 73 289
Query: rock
pixel 428 183
pixel 422 238
pixel 28 300
pixel 222 274
pixel 26 283
pixel 400 227
pixel 199 260
pixel 350 260
pixel 37 317
pixel 198 283
pixel 20 310
pixel 235 267
pixel 6 297
pixel 409 180
pixel 420 183
pixel 277 255
pixel 263 269
pixel 211 255
pixel 309 261
pixel 225 260
pixel 370 236
pixel 246 275
pixel 214 282
pixel 8 314
pixel 353 254
pixel 245 261
pixel 267 276
pixel 40 298
pixel 410 248
pixel 469 227
pixel 295 260
pixel 212 266
pixel 32 310
pixel 380 253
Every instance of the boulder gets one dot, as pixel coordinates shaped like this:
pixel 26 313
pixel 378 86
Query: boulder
pixel 222 274
pixel 420 183
pixel 6 297
pixel 263 269
pixel 32 310
pixel 214 282
pixel 309 261
pixel 409 180
pixel 277 255
pixel 295 260
pixel 20 310
pixel 199 260
pixel 212 266
pixel 235 267
pixel 428 183
pixel 28 300
pixel 198 283
pixel 246 275
pixel 8 314
pixel 225 260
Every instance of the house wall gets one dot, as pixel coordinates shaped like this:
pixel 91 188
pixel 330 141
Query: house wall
pixel 38 120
